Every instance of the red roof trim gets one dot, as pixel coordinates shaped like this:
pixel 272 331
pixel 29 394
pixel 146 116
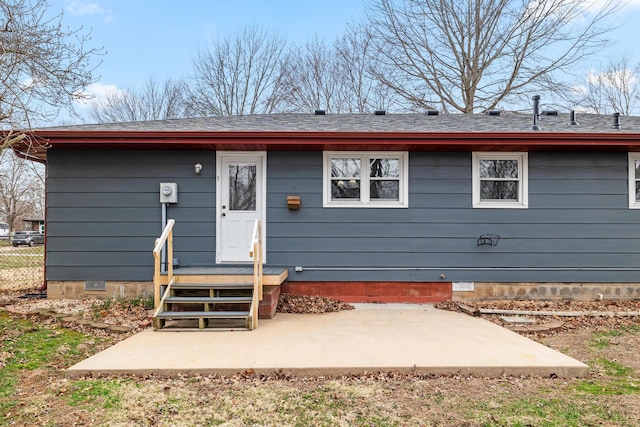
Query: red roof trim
pixel 61 135
pixel 272 140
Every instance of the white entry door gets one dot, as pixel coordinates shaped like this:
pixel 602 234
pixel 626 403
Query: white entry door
pixel 241 193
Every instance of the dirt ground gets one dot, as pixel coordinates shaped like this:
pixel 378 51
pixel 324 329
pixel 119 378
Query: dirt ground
pixel 609 396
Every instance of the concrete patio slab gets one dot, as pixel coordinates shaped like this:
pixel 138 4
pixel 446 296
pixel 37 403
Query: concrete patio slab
pixel 400 337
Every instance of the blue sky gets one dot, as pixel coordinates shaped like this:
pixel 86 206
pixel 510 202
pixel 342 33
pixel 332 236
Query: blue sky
pixel 159 38
pixel 145 38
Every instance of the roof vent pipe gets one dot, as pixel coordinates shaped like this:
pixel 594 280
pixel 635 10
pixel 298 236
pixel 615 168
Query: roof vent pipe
pixel 379 112
pixel 320 112
pixel 432 112
pixel 536 112
pixel 572 118
pixel 492 112
pixel 616 121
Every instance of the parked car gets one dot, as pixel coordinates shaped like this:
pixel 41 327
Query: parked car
pixel 30 238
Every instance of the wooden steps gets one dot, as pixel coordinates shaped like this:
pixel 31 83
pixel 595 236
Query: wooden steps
pixel 217 286
pixel 211 294
pixel 203 314
pixel 207 300
pixel 212 305
pixel 212 298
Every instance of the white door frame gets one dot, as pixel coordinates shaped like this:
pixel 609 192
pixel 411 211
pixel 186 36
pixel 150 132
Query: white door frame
pixel 262 193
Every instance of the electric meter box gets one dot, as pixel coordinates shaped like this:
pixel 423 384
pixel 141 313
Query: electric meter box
pixel 168 192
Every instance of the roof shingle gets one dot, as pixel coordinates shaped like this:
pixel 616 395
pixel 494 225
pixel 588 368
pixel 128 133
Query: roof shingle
pixel 396 123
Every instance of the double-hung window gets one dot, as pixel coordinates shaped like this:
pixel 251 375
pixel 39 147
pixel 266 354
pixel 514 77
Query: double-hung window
pixel 357 179
pixel 634 180
pixel 500 180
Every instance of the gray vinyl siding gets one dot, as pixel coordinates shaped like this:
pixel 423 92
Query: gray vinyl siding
pixel 103 215
pixel 578 226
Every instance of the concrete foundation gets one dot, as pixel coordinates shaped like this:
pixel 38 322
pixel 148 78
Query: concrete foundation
pixel 549 291
pixel 115 290
pixel 374 292
pixel 378 292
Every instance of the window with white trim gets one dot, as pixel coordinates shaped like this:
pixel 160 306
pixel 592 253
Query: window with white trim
pixel 357 179
pixel 500 180
pixel 634 180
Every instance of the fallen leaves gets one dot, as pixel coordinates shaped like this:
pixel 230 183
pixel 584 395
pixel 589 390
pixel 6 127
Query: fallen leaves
pixel 595 313
pixel 289 303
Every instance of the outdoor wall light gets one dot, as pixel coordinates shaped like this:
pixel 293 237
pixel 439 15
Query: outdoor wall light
pixel 198 168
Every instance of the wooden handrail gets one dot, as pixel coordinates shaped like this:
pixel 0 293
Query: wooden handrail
pixel 166 293
pixel 165 237
pixel 255 251
pixel 255 237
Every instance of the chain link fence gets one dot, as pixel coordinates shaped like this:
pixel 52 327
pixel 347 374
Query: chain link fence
pixel 21 267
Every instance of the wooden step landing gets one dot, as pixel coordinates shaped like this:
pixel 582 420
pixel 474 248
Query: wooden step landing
pixel 272 276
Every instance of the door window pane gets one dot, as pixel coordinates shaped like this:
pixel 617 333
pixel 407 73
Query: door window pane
pixel 242 187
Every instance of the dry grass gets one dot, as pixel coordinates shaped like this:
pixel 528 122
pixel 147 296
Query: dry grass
pixel 35 351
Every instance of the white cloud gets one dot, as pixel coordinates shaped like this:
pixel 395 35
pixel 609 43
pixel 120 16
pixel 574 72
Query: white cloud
pixel 580 89
pixel 595 5
pixel 631 4
pixel 616 78
pixel 96 93
pixel 79 8
pixel 83 8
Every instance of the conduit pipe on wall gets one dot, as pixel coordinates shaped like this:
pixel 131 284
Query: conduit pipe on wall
pixel 163 254
pixel 301 269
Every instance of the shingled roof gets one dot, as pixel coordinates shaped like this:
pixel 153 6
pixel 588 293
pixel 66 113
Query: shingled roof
pixel 394 123
pixel 406 132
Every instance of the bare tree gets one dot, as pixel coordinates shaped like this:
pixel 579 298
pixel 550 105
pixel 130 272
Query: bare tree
pixel 361 91
pixel 473 55
pixel 156 101
pixel 336 78
pixel 615 89
pixel 21 189
pixel 240 75
pixel 44 67
pixel 313 79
